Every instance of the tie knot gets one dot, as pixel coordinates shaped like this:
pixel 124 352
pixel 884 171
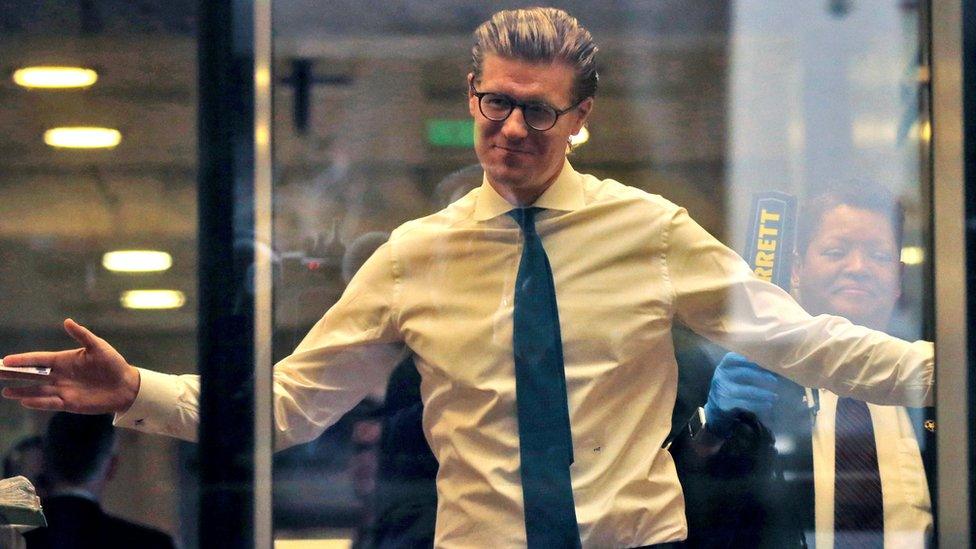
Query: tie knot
pixel 525 217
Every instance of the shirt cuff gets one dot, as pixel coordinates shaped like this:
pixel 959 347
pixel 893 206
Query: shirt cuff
pixel 159 397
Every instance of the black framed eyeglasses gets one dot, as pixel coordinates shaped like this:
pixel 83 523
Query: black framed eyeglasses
pixel 538 116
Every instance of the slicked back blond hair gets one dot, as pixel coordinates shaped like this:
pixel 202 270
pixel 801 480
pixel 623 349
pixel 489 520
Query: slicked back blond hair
pixel 539 35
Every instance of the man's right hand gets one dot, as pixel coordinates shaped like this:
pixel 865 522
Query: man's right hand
pixel 739 385
pixel 94 379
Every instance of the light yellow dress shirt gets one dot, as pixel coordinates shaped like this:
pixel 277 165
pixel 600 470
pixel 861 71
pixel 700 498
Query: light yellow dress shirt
pixel 625 265
pixel 904 488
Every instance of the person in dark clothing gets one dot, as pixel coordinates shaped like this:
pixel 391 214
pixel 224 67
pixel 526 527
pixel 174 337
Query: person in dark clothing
pixel 728 488
pixel 26 459
pixel 406 495
pixel 79 457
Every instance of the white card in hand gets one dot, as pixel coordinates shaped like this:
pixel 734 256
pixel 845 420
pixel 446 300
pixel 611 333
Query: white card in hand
pixel 39 370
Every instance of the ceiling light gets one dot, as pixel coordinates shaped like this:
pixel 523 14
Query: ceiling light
pixel 580 137
pixel 324 543
pixel 913 255
pixel 926 131
pixel 82 138
pixel 55 77
pixel 152 299
pixel 137 261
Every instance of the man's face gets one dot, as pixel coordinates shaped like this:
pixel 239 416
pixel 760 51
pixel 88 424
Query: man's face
pixel 851 267
pixel 521 162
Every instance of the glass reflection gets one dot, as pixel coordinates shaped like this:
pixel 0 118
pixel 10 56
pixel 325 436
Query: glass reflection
pixel 826 105
pixel 802 101
pixel 696 105
pixel 132 73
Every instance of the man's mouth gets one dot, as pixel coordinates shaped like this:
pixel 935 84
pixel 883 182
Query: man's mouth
pixel 513 150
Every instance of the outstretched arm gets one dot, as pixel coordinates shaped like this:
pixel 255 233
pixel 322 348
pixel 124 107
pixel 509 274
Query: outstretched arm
pixel 351 350
pixel 717 295
pixel 93 379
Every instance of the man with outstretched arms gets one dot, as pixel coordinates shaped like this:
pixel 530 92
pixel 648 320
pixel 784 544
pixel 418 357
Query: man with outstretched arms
pixel 531 306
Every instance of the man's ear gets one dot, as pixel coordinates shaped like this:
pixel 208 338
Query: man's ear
pixel 582 112
pixel 472 100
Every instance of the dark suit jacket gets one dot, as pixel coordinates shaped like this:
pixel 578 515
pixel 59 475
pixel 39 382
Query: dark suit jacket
pixel 406 494
pixel 79 523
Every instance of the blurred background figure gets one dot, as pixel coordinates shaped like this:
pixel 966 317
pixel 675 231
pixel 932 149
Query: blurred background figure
pixel 26 459
pixel 455 185
pixel 79 455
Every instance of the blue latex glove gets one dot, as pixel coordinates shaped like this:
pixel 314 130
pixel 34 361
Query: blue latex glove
pixel 739 385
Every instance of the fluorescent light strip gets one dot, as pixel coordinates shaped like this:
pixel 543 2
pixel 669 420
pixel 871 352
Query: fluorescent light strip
pixel 137 261
pixel 152 299
pixel 82 137
pixel 55 77
pixel 324 543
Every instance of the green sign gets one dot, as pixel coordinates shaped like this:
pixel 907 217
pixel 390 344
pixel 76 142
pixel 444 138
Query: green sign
pixel 451 133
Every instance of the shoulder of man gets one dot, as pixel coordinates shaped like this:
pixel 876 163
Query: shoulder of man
pixel 455 213
pixel 610 190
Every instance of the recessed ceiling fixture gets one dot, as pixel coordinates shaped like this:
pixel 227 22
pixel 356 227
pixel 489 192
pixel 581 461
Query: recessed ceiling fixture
pixel 137 261
pixel 152 299
pixel 55 77
pixel 82 137
pixel 913 255
pixel 580 137
pixel 314 543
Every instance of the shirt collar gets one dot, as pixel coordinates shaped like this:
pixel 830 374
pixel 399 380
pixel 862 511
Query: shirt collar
pixel 565 193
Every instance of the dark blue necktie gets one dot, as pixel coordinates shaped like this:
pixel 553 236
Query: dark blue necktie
pixel 858 505
pixel 545 438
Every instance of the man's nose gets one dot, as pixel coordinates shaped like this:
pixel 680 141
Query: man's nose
pixel 514 127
